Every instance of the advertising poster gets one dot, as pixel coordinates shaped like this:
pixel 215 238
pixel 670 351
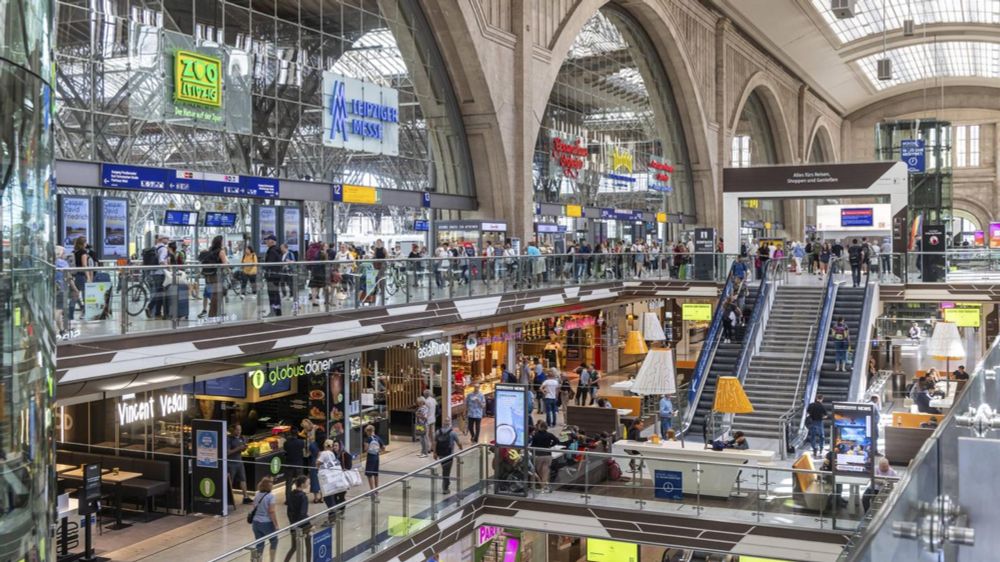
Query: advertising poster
pixel 74 219
pixel 114 228
pixel 669 484
pixel 96 302
pixel 932 261
pixel 293 229
pixel 209 484
pixel 854 439
pixel 336 422
pixel 267 224
pixel 603 550
pixel 995 235
pixel 511 415
pixel 696 312
pixel 322 545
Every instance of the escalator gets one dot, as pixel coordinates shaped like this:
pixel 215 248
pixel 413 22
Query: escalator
pixel 849 304
pixel 722 364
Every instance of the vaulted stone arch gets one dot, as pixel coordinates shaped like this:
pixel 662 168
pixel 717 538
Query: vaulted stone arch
pixel 763 85
pixel 820 135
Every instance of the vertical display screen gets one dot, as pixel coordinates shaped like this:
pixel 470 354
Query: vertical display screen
pixel 854 439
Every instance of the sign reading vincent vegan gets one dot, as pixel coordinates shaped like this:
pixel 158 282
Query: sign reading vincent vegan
pixel 197 79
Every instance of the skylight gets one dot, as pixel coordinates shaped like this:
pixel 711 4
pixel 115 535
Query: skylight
pixel 374 55
pixel 598 36
pixel 869 17
pixel 931 60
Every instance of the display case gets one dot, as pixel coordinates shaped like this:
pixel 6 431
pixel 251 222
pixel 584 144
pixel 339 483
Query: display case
pixel 365 418
pixel 264 456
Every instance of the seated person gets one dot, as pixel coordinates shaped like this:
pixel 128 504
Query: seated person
pixel 918 384
pixel 929 424
pixel 960 374
pixel 739 441
pixel 603 403
pixel 923 400
pixel 635 432
pixel 882 471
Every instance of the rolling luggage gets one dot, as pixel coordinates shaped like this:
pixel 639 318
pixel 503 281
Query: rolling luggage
pixel 177 301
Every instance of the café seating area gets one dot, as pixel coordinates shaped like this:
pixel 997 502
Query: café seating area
pixel 153 480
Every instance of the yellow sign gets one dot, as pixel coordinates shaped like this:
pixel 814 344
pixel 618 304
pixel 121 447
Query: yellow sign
pixel 696 312
pixel 405 526
pixel 360 194
pixel 963 317
pixel 767 226
pixel 574 211
pixel 753 203
pixel 621 158
pixel 197 79
pixel 602 550
pixel 661 217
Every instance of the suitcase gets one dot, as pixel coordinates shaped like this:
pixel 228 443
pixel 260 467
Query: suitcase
pixel 177 302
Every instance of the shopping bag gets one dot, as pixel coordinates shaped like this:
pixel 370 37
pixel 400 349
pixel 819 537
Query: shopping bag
pixel 353 477
pixel 333 481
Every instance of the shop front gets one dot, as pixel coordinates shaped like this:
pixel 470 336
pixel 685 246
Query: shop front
pixel 565 342
pixel 268 400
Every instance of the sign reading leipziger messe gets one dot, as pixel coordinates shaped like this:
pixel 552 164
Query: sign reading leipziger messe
pixel 360 116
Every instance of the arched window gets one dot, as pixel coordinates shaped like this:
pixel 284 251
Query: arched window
pixel 611 134
pixel 753 145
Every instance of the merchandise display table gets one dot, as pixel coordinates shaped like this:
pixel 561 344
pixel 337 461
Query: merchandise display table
pixel 717 479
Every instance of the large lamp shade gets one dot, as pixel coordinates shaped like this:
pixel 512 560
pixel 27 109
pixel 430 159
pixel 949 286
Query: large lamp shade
pixel 946 343
pixel 634 344
pixel 651 328
pixel 656 375
pixel 730 397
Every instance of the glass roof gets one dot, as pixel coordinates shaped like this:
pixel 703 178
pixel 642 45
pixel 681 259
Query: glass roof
pixel 868 15
pixel 373 56
pixel 931 60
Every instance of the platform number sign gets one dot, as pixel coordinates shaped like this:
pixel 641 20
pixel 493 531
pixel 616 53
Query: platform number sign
pixel 911 151
pixel 669 484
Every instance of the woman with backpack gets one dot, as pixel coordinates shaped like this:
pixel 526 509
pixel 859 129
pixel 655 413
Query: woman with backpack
pixel 373 448
pixel 214 255
pixel 841 336
pixel 81 259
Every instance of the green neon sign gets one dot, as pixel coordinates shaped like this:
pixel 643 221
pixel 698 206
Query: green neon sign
pixel 206 487
pixel 197 79
pixel 275 465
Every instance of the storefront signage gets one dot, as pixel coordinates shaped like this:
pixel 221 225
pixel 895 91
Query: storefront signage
pixel 433 348
pixel 494 227
pixel 74 219
pixel 752 224
pixel 963 317
pixel 120 176
pixel 546 228
pixel 660 176
pixel 131 411
pixel 473 342
pixel 486 533
pixel 570 157
pixel 574 211
pixel 355 194
pixel 114 227
pixel 696 312
pixel 854 439
pixel 274 375
pixel 911 151
pixel 197 79
pixel 579 323
pixel 360 116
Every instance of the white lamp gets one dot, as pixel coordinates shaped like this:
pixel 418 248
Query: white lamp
pixel 656 376
pixel 946 344
pixel 651 328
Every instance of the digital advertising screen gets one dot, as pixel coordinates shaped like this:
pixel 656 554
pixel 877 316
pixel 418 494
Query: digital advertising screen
pixel 854 218
pixel 223 220
pixel 857 217
pixel 511 415
pixel 233 386
pixel 854 439
pixel 995 235
pixel 603 550
pixel 180 218
pixel 979 238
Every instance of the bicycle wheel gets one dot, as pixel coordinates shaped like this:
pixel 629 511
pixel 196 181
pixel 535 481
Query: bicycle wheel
pixel 137 298
pixel 391 286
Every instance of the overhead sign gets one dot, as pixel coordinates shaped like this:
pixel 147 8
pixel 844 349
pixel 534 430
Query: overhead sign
pixel 574 211
pixel 197 79
pixel 120 176
pixel 696 312
pixel 661 217
pixel 360 116
pixel 857 217
pixel 758 180
pixel 355 194
pixel 911 151
pixel 963 317
pixel 621 214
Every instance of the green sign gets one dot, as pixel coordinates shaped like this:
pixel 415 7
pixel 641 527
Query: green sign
pixel 197 79
pixel 275 465
pixel 207 487
pixel 257 378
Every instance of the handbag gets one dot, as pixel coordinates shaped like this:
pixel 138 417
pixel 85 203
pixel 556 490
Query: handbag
pixel 254 510
pixel 353 477
pixel 420 429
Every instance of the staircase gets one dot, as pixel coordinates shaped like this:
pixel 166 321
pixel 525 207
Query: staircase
pixel 849 304
pixel 785 351
pixel 722 365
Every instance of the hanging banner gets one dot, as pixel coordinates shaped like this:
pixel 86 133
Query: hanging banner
pixel 360 116
pixel 74 220
pixel 854 439
pixel 911 151
pixel 114 228
pixel 292 225
pixel 267 225
pixel 209 484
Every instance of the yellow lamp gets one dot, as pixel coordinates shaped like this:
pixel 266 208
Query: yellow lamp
pixel 730 397
pixel 634 344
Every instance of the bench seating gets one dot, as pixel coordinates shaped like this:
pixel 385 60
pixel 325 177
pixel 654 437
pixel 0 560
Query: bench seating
pixel 154 482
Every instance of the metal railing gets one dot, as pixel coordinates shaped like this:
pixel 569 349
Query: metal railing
pixel 784 421
pixel 819 354
pixel 863 341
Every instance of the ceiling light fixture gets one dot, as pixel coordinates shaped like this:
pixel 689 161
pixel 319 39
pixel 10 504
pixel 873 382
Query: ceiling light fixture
pixel 884 63
pixel 843 9
pixel 908 22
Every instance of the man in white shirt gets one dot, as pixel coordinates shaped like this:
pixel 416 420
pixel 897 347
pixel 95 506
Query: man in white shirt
pixel 431 404
pixel 550 393
pixel 442 265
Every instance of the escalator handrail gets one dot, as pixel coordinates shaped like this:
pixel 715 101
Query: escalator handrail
pixel 863 344
pixel 707 354
pixel 757 317
pixel 819 351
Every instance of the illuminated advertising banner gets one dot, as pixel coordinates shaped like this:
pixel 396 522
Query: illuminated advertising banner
pixel 360 116
pixel 74 220
pixel 854 439
pixel 696 312
pixel 114 228
pixel 995 235
pixel 850 218
pixel 602 550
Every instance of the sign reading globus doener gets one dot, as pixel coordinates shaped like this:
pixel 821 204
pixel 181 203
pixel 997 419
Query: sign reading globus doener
pixel 274 375
pixel 197 79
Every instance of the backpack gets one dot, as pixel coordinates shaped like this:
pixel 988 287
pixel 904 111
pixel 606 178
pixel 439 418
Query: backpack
pixel 207 257
pixel 614 471
pixel 442 442
pixel 150 257
pixel 374 445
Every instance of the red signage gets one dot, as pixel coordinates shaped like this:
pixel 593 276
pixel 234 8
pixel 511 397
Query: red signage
pixel 571 157
pixel 663 171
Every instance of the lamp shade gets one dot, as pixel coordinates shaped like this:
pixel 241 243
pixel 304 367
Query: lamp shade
pixel 651 328
pixel 634 344
pixel 945 342
pixel 656 375
pixel 730 397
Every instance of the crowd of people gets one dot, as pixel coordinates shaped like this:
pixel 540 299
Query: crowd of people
pixel 825 257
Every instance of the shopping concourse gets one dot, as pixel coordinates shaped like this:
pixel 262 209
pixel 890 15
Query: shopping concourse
pixel 499 281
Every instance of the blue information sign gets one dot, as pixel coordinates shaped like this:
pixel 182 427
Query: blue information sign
pixel 911 151
pixel 120 176
pixel 426 202
pixel 322 545
pixel 669 484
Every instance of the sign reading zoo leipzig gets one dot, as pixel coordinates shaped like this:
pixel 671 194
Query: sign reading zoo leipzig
pixel 360 116
pixel 197 79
